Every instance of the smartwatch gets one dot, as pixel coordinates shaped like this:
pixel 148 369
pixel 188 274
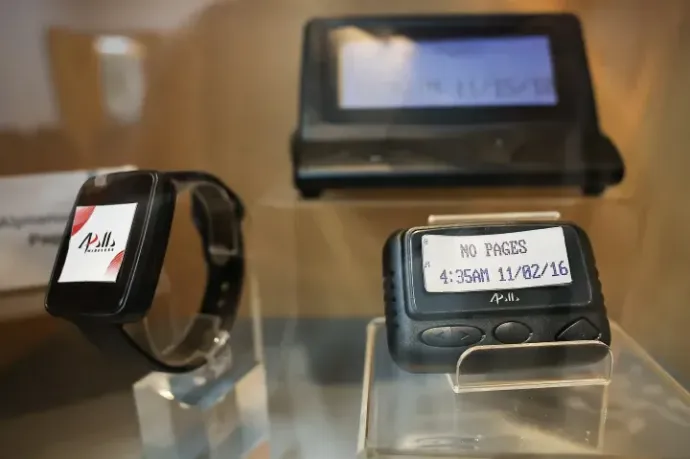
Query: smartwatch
pixel 449 288
pixel 111 255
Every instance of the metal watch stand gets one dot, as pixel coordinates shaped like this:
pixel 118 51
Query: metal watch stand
pixel 499 411
pixel 216 411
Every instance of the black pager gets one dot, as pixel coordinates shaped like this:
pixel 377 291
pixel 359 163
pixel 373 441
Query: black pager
pixel 448 288
pixel 449 101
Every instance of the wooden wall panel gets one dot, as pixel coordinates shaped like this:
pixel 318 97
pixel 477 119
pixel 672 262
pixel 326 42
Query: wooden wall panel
pixel 631 48
pixel 75 72
pixel 657 311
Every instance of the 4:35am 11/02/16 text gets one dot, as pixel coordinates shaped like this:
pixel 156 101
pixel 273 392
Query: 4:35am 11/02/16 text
pixel 505 274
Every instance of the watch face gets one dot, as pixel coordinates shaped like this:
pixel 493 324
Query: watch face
pixel 118 230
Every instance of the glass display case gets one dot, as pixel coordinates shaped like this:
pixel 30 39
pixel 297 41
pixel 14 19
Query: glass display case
pixel 596 409
pixel 221 86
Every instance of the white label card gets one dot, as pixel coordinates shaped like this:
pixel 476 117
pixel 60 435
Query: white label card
pixel 525 259
pixel 97 245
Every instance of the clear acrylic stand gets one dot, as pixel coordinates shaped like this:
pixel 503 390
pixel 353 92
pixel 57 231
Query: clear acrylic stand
pixel 216 411
pixel 597 372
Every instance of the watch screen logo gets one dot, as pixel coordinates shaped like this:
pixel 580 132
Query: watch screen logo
pixel 92 242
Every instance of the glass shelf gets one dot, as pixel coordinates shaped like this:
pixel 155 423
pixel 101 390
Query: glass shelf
pixel 315 251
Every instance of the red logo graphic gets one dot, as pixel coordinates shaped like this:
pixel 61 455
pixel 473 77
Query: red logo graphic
pixel 115 264
pixel 81 216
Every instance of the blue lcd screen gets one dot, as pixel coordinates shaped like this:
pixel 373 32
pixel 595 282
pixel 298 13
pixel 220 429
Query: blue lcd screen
pixel 400 72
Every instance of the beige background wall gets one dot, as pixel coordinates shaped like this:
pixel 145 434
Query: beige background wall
pixel 222 90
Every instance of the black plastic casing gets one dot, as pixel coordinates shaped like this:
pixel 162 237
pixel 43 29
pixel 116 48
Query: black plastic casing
pixel 130 297
pixel 547 311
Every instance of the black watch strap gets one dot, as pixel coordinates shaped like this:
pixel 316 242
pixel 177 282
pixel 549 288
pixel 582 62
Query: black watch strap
pixel 114 340
pixel 217 213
